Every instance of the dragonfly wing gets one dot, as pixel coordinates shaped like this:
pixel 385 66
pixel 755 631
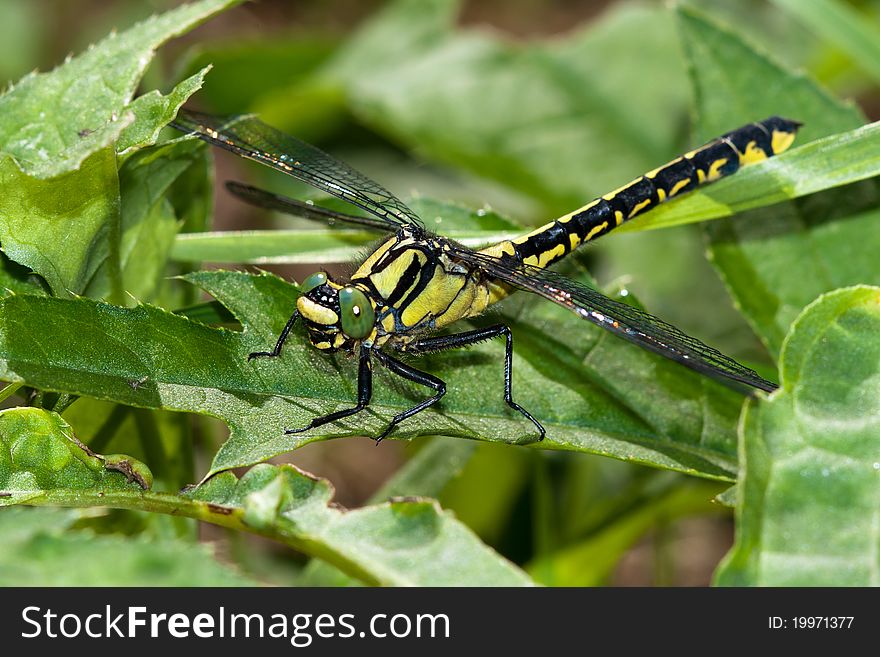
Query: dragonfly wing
pixel 630 323
pixel 272 201
pixel 249 137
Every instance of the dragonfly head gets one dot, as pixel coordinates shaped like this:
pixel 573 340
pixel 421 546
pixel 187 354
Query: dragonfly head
pixel 336 316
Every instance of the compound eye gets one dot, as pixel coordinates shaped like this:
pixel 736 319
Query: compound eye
pixel 357 313
pixel 312 281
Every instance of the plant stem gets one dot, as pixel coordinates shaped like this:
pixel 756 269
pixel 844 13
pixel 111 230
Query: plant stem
pixel 175 505
pixel 10 390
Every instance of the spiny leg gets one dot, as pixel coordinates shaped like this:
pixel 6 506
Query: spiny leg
pixel 472 337
pixel 411 373
pixel 281 339
pixel 365 391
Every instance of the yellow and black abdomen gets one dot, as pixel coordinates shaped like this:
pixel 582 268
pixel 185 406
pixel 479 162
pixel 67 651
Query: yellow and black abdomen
pixel 720 157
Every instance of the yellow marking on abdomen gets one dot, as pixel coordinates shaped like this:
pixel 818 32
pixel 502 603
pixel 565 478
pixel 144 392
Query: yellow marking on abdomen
pixel 781 140
pixel 752 154
pixel 502 248
pixel 677 187
pixel 545 258
pixel 639 207
pixel 715 169
pixel 595 230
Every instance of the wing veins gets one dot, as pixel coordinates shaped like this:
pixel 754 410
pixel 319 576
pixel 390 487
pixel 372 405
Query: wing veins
pixel 249 137
pixel 265 199
pixel 623 320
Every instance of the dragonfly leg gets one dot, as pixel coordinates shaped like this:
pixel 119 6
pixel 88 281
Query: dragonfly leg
pixel 411 373
pixel 365 391
pixel 473 337
pixel 281 339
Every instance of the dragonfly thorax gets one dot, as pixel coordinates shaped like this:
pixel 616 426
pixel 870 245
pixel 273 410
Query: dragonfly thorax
pixel 336 316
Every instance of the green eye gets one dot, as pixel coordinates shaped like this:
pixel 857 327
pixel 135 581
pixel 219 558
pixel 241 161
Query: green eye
pixel 314 280
pixel 357 313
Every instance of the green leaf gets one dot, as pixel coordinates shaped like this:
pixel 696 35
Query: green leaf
pixel 261 247
pixel 810 474
pixel 60 209
pixel 487 492
pixel 52 122
pixel 727 497
pixel 153 111
pixel 428 472
pixel 38 452
pixel 776 260
pixel 726 71
pixel 17 279
pixel 208 312
pixel 400 30
pixel 65 228
pixel 306 246
pixel 844 26
pixel 536 117
pixel 596 394
pixel 589 562
pixel 398 543
pixel 149 222
pixel 425 475
pixel 39 549
pixel 273 77
pixel 160 438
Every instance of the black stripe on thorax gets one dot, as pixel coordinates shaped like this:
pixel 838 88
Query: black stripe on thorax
pixel 429 248
pixel 428 272
pixel 407 279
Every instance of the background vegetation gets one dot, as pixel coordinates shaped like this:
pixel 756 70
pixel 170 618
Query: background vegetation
pixel 129 307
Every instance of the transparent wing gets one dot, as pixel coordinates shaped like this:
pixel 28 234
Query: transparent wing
pixel 264 199
pixel 249 137
pixel 621 319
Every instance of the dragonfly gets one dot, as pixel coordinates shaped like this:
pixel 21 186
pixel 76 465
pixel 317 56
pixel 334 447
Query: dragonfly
pixel 417 283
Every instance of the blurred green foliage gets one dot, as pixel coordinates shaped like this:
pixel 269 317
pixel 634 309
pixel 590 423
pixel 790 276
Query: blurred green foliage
pixel 427 100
